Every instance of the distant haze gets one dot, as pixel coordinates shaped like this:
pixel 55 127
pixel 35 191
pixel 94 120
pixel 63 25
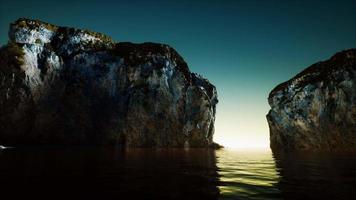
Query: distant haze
pixel 245 48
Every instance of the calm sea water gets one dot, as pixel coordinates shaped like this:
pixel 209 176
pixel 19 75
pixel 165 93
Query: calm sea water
pixel 113 173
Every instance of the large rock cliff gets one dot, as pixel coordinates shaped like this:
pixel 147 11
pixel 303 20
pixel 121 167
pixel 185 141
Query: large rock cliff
pixel 316 110
pixel 62 85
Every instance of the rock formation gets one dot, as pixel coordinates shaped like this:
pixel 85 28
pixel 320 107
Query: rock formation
pixel 62 85
pixel 316 110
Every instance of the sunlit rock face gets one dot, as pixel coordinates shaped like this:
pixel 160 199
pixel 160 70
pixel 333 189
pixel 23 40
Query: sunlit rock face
pixel 61 85
pixel 316 110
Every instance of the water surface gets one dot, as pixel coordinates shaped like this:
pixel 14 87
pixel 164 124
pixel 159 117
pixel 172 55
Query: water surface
pixel 114 173
pixel 247 174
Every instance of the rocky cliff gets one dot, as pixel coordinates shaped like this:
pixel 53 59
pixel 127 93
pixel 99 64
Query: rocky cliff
pixel 316 110
pixel 62 85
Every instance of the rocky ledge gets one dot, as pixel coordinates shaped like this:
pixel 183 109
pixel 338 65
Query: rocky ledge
pixel 316 110
pixel 62 85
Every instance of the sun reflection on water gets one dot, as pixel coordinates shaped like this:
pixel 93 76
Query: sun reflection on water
pixel 247 174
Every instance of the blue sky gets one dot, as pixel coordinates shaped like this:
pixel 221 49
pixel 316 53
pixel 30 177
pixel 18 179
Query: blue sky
pixel 245 48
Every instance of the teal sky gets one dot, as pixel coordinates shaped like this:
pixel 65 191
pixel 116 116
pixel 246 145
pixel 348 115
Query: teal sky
pixel 245 48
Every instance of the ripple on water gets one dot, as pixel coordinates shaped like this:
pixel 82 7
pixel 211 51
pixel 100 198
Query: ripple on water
pixel 247 175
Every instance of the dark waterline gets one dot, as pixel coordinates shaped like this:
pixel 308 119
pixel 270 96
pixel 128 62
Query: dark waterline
pixel 114 173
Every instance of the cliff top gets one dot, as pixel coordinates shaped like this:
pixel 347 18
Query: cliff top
pixel 37 25
pixel 321 70
pixel 29 31
pixel 68 41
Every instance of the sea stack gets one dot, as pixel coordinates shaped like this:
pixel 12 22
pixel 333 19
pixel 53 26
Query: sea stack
pixel 316 110
pixel 69 86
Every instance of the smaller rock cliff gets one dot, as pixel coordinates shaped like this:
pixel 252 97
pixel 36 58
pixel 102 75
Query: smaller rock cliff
pixel 316 110
pixel 62 85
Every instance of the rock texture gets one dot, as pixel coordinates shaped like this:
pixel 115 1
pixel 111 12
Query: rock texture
pixel 316 110
pixel 62 85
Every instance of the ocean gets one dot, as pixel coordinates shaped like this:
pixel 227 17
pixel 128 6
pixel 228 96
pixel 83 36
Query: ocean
pixel 148 173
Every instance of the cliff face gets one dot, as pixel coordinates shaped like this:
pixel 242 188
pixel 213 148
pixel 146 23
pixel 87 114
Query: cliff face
pixel 61 85
pixel 316 110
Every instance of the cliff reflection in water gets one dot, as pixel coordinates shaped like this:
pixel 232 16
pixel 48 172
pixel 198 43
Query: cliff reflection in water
pixel 107 173
pixel 309 175
pixel 113 173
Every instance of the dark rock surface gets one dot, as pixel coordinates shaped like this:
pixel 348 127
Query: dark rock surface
pixel 316 110
pixel 62 85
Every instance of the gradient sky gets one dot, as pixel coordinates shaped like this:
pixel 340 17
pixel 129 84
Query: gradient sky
pixel 245 48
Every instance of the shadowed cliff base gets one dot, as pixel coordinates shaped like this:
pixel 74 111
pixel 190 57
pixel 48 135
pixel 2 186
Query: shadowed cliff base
pixel 62 85
pixel 316 110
